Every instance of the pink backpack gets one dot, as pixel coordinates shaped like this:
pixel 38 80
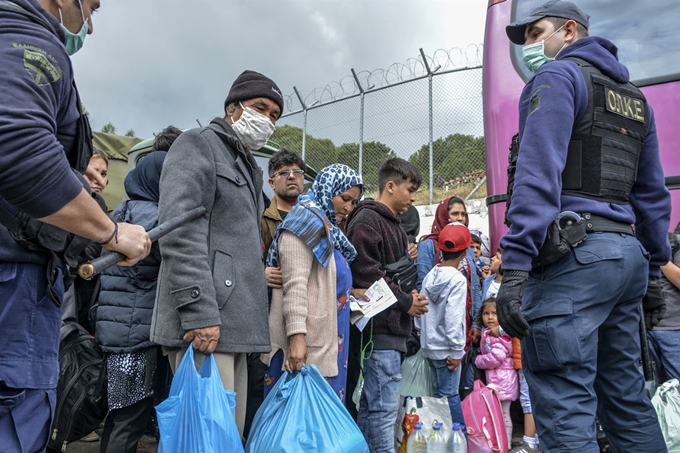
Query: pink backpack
pixel 484 421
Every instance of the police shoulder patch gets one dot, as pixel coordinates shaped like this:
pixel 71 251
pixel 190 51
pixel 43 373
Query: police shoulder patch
pixel 41 66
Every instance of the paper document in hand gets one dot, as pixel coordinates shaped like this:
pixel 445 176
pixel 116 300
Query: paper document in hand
pixel 380 297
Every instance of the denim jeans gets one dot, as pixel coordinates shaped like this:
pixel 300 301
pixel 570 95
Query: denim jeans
pixel 663 344
pixel 380 400
pixel 446 385
pixel 524 399
pixel 581 356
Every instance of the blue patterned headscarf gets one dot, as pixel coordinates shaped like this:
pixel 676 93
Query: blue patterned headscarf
pixel 313 220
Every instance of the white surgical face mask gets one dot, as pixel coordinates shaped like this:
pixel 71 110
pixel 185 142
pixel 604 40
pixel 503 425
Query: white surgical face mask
pixel 74 41
pixel 253 129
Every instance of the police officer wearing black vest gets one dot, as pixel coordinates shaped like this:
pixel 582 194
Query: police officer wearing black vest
pixel 45 146
pixel 589 214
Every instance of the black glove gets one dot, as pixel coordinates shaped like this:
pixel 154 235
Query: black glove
pixel 654 303
pixel 509 304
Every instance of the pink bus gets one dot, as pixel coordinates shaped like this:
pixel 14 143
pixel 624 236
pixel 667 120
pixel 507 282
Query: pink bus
pixel 647 34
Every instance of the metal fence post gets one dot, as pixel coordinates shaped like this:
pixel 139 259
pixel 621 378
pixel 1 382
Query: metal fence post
pixel 304 123
pixel 361 122
pixel 430 73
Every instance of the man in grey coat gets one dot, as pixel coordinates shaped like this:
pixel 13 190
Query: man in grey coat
pixel 211 289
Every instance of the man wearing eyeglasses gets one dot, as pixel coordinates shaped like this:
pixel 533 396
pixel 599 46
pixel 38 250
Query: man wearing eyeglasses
pixel 286 178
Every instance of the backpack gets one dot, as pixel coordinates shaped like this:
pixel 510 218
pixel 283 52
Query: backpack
pixel 81 391
pixel 484 421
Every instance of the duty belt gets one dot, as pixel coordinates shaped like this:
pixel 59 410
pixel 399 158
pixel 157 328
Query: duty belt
pixel 596 223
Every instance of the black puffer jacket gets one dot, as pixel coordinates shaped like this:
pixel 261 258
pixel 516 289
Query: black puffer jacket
pixel 126 300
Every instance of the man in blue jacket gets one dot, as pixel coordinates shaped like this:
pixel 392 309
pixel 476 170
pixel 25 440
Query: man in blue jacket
pixel 42 136
pixel 576 272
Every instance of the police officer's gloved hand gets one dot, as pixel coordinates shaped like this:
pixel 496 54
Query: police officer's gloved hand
pixel 509 304
pixel 654 303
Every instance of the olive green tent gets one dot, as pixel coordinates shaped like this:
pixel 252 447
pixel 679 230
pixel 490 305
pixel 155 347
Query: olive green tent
pixel 116 148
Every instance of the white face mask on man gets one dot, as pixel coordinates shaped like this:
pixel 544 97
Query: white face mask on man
pixel 253 129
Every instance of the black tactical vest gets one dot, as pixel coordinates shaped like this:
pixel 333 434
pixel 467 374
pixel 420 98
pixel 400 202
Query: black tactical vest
pixel 605 145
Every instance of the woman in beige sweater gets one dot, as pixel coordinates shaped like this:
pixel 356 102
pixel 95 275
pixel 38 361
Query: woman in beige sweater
pixel 309 316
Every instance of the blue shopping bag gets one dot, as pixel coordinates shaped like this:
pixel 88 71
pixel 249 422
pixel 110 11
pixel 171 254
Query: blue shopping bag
pixel 302 413
pixel 198 416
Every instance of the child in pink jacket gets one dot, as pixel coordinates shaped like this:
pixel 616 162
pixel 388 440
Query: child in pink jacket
pixel 496 359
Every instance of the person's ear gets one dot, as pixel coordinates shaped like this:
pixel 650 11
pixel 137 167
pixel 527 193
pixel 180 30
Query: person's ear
pixel 389 187
pixel 571 31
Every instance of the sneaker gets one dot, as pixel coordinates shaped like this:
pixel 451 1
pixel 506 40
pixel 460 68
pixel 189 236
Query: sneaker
pixel 92 437
pixel 525 448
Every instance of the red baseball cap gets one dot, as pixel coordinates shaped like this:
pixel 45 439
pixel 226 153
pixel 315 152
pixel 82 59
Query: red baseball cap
pixel 454 238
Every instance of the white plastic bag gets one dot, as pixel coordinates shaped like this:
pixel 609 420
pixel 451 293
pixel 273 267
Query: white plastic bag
pixel 426 410
pixel 416 376
pixel 666 402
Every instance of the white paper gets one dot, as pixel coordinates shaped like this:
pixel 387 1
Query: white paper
pixel 381 297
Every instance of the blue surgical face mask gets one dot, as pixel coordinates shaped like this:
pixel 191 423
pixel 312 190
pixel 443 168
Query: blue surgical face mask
pixel 534 56
pixel 74 41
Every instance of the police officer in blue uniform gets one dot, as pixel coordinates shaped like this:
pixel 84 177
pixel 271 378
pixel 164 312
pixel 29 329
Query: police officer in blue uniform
pixel 588 219
pixel 47 214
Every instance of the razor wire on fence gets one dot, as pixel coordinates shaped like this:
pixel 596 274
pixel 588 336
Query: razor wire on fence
pixel 427 111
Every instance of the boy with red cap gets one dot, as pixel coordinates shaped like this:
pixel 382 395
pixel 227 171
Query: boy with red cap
pixel 442 328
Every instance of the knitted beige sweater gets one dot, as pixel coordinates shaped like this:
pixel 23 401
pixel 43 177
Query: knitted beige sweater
pixel 307 304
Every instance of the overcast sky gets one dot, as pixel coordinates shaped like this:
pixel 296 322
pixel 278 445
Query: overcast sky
pixel 151 63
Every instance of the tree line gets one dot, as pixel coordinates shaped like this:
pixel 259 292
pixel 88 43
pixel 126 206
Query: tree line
pixel 453 156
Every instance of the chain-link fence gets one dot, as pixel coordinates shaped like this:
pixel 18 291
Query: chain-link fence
pixel 427 111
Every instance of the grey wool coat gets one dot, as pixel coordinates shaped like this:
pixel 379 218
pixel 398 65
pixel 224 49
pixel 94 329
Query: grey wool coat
pixel 212 271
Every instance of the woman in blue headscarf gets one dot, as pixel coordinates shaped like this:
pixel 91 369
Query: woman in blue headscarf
pixel 309 316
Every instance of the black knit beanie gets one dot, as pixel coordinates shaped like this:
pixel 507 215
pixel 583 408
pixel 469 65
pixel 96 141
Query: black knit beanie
pixel 251 84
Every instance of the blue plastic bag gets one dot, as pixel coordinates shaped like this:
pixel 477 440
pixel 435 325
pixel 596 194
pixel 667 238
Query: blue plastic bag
pixel 302 413
pixel 198 416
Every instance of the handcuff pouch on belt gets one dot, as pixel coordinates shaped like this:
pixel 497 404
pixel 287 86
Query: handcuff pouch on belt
pixel 564 233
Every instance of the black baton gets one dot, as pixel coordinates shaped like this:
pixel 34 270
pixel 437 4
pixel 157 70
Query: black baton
pixel 98 265
pixel 648 364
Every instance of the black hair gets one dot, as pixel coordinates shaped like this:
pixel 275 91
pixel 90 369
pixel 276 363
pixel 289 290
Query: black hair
pixel 410 222
pixel 489 301
pixel 476 239
pixel 397 170
pixel 452 255
pixel 455 200
pixel 284 158
pixel 166 137
pixel 560 21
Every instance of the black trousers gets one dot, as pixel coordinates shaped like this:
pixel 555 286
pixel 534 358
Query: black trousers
pixel 256 373
pixel 125 427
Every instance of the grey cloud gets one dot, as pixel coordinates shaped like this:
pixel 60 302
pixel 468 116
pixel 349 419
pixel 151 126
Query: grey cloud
pixel 157 62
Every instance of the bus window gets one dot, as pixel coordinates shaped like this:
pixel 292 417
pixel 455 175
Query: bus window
pixel 647 34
